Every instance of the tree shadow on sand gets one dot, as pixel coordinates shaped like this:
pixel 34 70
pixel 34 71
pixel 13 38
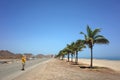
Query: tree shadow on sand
pixel 87 67
pixel 97 69
pixel 94 67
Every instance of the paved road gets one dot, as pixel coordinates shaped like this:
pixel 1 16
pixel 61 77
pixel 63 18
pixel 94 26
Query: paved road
pixel 8 69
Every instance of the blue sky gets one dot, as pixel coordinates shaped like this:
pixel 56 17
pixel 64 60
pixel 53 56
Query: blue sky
pixel 46 26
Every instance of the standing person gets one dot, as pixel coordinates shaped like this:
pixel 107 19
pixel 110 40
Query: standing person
pixel 23 62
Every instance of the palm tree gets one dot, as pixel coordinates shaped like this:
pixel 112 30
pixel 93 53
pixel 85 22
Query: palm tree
pixel 72 50
pixel 67 50
pixel 92 37
pixel 78 46
pixel 60 54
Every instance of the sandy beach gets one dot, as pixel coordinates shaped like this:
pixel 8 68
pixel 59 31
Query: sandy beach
pixel 55 69
pixel 112 64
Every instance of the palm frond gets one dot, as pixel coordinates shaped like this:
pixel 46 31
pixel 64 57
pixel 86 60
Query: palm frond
pixel 101 41
pixel 89 31
pixel 84 35
pixel 95 32
pixel 98 36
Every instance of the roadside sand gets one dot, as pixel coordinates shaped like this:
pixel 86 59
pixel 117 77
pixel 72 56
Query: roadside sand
pixel 61 70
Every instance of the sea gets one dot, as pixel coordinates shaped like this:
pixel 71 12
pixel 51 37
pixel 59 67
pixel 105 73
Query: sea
pixel 105 58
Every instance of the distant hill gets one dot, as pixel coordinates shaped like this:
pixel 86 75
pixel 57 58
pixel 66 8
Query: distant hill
pixel 5 54
pixel 40 56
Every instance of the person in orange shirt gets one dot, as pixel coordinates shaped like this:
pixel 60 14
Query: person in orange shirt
pixel 23 59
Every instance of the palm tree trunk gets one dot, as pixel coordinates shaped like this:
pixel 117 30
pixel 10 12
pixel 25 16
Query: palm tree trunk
pixel 91 65
pixel 71 57
pixel 68 57
pixel 76 60
pixel 62 57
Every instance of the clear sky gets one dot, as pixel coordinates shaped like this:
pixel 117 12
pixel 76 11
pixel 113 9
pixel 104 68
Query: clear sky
pixel 46 26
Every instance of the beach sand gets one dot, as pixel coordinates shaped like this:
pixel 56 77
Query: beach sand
pixel 56 69
pixel 112 64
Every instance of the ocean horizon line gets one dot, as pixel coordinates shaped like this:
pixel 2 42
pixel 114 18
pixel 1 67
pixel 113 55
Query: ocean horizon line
pixel 101 58
pixel 105 58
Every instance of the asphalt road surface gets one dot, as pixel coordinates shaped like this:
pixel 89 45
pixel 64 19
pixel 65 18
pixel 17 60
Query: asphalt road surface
pixel 15 67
